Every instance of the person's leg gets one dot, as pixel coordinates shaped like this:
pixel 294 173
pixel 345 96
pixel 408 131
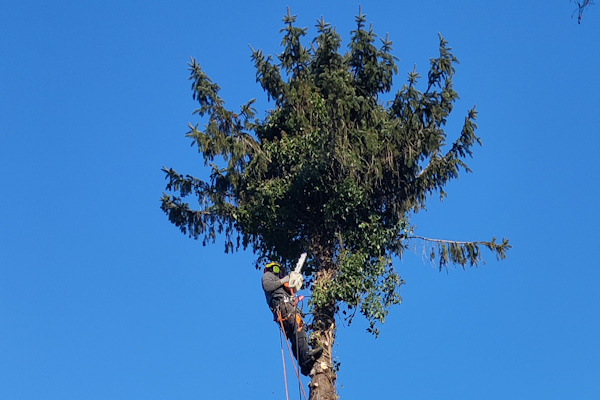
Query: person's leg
pixel 297 338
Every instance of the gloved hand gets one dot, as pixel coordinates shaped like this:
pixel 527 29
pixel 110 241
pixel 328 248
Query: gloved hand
pixel 285 279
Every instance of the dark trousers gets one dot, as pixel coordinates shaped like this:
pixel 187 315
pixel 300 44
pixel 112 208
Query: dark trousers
pixel 297 337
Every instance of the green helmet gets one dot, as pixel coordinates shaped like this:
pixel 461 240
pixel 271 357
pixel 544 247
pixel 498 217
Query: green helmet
pixel 275 265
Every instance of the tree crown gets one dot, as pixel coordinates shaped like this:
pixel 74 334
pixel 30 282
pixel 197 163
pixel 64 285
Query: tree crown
pixel 331 168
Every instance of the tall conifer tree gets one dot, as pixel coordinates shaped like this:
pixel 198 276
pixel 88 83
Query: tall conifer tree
pixel 331 170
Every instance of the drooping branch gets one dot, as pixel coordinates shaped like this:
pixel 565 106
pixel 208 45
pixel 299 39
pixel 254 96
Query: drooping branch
pixel 462 252
pixel 216 213
pixel 443 168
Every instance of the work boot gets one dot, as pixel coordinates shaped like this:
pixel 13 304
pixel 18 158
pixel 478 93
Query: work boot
pixel 313 355
pixel 307 366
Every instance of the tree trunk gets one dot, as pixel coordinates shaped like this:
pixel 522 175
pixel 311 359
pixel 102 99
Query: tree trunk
pixel 323 375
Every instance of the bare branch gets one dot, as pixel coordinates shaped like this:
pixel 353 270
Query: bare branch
pixel 443 240
pixel 581 6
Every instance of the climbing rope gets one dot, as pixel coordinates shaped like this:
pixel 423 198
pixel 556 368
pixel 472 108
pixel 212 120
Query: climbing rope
pixel 280 319
pixel 287 395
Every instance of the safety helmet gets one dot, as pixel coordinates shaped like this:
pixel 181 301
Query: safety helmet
pixel 275 265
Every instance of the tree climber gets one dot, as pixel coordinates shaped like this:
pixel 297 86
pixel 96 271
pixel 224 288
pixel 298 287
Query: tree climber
pixel 282 302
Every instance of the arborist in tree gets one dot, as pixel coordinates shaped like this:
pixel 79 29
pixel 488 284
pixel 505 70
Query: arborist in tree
pixel 282 303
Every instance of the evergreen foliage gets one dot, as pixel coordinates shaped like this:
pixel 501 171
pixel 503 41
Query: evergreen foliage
pixel 331 169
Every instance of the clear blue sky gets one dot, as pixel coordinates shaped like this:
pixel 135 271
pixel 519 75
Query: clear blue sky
pixel 101 298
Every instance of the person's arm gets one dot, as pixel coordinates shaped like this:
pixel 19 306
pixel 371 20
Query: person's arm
pixel 271 283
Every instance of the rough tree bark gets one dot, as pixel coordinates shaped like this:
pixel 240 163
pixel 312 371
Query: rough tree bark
pixel 323 376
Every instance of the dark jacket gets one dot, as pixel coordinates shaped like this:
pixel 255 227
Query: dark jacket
pixel 274 289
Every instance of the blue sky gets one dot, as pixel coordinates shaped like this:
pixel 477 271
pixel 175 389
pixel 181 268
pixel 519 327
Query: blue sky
pixel 101 298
